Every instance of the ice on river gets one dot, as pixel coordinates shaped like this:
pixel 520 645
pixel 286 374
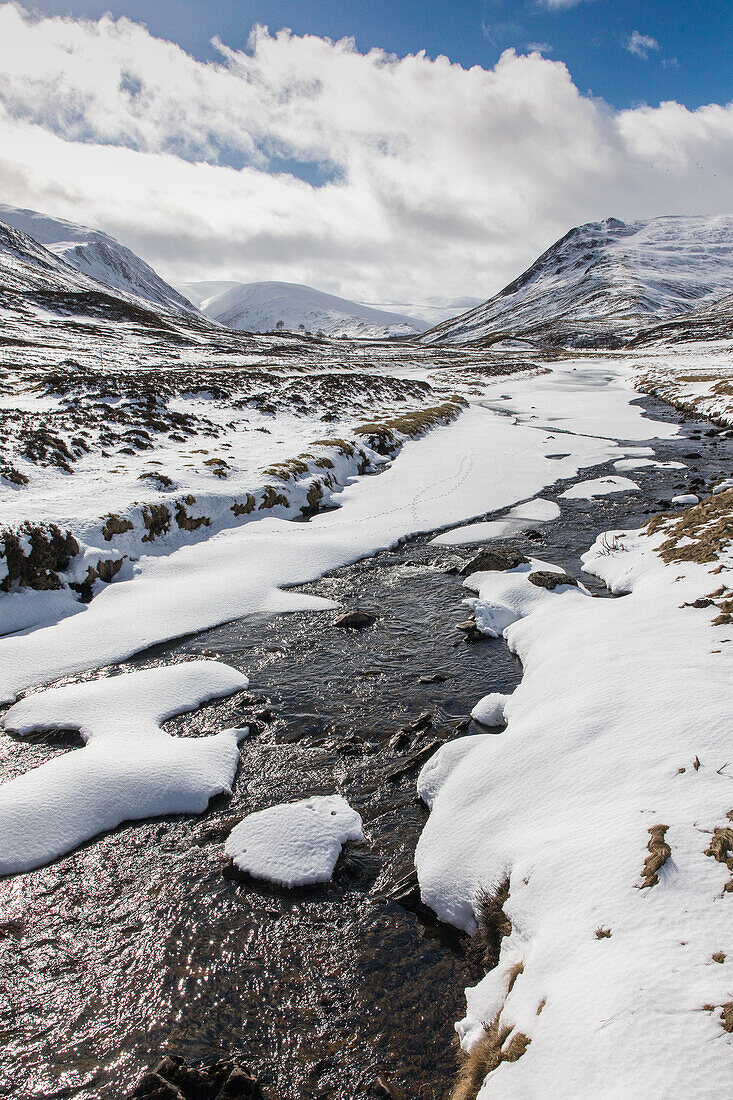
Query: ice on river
pixel 128 768
pixel 294 844
pixel 600 487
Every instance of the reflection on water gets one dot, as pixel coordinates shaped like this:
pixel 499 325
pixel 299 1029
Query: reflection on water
pixel 139 944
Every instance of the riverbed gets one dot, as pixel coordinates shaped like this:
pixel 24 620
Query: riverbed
pixel 141 943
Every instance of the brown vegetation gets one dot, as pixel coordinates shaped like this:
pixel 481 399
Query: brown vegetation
pixel 115 526
pixel 709 526
pixel 721 849
pixel 659 853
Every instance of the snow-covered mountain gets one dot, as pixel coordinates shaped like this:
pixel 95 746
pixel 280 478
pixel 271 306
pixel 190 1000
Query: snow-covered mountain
pixel 265 306
pixel 603 282
pixel 431 311
pixel 97 255
pixel 711 322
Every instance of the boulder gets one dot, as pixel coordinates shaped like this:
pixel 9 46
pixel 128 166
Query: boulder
pixel 500 558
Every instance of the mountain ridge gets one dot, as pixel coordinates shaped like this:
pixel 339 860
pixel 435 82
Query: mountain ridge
pixel 602 283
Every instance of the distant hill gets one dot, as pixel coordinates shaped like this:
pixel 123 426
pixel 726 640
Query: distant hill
pixel 263 306
pixel 603 282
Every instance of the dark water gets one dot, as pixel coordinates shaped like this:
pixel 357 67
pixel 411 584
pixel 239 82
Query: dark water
pixel 138 944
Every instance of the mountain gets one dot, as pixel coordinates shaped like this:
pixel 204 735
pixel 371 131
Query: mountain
pixel 712 322
pixel 261 307
pixel 603 282
pixel 429 311
pixel 52 315
pixel 96 255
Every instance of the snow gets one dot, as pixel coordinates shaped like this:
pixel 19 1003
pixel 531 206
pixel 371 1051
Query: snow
pixel 618 701
pixel 128 768
pixel 434 773
pixel 296 844
pixel 606 279
pixel 537 510
pixel 97 255
pixel 624 464
pixel 600 487
pixel 518 519
pixel 489 711
pixel 507 596
pixel 261 307
pixel 482 462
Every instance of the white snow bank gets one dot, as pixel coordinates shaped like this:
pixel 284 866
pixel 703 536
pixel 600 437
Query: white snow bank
pixel 537 510
pixel 619 700
pixel 296 844
pixel 507 596
pixel 686 498
pixel 434 773
pixel 489 711
pixel 129 767
pixel 600 487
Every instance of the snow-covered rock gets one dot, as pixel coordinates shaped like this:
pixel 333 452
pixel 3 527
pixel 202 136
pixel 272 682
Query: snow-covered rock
pixel 265 306
pixel 295 844
pixel 489 711
pixel 603 282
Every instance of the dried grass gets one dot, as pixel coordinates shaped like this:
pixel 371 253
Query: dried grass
pixel 709 526
pixel 659 853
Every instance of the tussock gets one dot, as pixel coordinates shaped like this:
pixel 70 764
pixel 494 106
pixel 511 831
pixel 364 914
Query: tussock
pixel 383 435
pixel 708 526
pixel 659 853
pixel 271 498
pixel 493 925
pixel 487 1054
pixel 721 849
pixel 115 526
pixel 284 471
pixel 246 508
pixel 157 520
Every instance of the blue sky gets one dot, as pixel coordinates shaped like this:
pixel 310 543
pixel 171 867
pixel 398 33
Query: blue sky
pixel 693 63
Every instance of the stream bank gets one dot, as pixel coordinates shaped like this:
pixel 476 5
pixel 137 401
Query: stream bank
pixel 138 944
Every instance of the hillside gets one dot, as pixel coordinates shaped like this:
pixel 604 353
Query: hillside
pixel 603 282
pixel 263 306
pixel 97 255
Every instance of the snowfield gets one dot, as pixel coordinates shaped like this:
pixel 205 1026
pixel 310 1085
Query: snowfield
pixel 617 744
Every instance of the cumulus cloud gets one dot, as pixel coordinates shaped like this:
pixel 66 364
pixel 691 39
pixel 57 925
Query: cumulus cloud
pixel 439 180
pixel 641 44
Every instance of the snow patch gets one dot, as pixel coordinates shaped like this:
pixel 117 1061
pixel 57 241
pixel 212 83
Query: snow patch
pixel 129 767
pixel 296 844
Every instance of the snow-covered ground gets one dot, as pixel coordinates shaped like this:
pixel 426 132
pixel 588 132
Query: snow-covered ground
pixel 497 453
pixel 600 816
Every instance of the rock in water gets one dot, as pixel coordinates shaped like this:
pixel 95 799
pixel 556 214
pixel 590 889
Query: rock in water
pixel 503 557
pixel 545 578
pixel 355 620
pixel 173 1079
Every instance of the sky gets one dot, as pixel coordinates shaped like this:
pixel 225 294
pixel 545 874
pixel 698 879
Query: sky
pixel 384 151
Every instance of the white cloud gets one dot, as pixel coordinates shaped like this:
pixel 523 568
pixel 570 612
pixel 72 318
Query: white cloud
pixel 641 44
pixel 441 180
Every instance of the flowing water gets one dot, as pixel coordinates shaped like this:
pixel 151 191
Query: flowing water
pixel 141 943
